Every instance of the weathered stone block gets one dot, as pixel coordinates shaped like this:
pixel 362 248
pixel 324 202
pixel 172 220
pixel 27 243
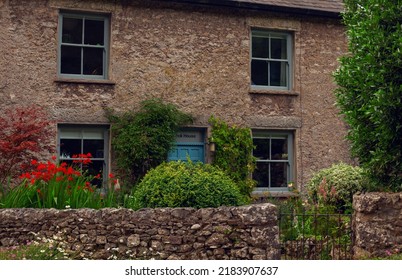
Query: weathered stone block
pixel 133 240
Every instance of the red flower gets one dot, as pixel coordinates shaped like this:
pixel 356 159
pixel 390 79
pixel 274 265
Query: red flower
pixel 25 176
pixel 34 162
pixel 111 176
pixel 82 158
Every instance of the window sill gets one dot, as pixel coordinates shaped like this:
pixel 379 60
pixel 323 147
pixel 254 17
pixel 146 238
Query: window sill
pixel 272 92
pixel 84 81
pixel 279 194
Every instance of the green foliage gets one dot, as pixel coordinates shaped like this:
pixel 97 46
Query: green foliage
pixel 185 184
pixel 234 153
pixel 370 91
pixel 142 140
pixel 327 233
pixel 31 252
pixel 58 186
pixel 335 186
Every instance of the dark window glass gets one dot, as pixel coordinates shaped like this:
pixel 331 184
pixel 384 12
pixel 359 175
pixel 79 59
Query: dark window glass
pixel 94 32
pixel 70 147
pixel 260 47
pixel 261 174
pixel 278 174
pixel 277 73
pixel 86 56
pixel 269 59
pixel 95 147
pixel 72 30
pixel 261 150
pixel 279 149
pixel 278 48
pixel 259 72
pixel 273 162
pixel 93 61
pixel 70 60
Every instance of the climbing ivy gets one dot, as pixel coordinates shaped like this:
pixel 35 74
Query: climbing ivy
pixel 142 139
pixel 234 153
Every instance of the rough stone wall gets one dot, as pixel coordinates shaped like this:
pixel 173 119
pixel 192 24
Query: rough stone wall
pixel 377 224
pixel 322 135
pixel 196 57
pixel 248 232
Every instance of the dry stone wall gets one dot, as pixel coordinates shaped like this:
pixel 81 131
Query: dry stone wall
pixel 377 224
pixel 248 232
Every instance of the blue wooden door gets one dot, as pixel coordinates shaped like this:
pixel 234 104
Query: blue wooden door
pixel 182 151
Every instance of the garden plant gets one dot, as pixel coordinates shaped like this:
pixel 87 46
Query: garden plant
pixel 234 153
pixel 142 139
pixel 185 184
pixel 369 92
pixel 60 186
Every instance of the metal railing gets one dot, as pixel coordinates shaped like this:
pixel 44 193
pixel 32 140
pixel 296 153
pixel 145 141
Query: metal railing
pixel 315 236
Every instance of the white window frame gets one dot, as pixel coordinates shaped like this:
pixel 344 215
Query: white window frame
pixel 288 61
pixel 275 134
pixel 105 47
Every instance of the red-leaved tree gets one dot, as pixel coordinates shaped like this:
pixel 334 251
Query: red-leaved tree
pixel 25 132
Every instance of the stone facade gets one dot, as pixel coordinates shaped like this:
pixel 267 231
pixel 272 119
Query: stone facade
pixel 377 224
pixel 197 57
pixel 248 232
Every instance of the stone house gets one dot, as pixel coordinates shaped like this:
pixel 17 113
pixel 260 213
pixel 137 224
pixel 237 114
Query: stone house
pixel 264 64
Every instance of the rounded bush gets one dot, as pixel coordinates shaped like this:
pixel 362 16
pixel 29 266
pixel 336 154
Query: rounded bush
pixel 335 186
pixel 185 184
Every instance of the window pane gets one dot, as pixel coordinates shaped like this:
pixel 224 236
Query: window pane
pixel 95 168
pixel 94 32
pixel 279 149
pixel 72 30
pixel 278 48
pixel 95 147
pixel 70 60
pixel 70 147
pixel 279 171
pixel 278 74
pixel 259 72
pixel 260 47
pixel 261 174
pixel 261 150
pixel 93 61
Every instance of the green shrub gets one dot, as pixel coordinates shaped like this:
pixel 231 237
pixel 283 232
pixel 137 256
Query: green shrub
pixel 369 92
pixel 142 139
pixel 185 184
pixel 335 186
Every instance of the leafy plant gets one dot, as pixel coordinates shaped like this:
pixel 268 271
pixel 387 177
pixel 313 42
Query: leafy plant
pixel 234 153
pixel 369 93
pixel 24 131
pixel 336 185
pixel 30 252
pixel 185 184
pixel 56 186
pixel 142 140
pixel 313 231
